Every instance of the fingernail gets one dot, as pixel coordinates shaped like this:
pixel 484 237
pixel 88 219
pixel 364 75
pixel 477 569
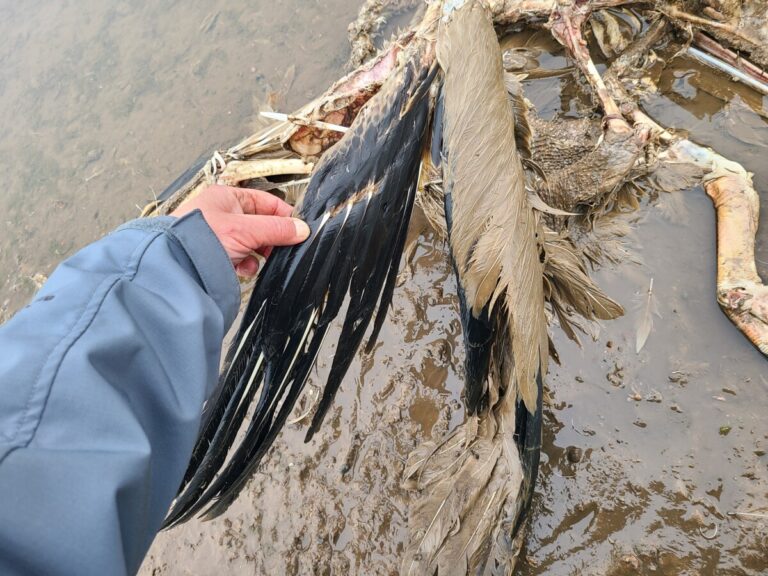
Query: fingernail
pixel 302 230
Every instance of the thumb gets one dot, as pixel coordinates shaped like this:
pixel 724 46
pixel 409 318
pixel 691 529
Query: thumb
pixel 262 231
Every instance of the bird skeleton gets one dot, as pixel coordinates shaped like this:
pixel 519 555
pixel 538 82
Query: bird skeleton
pixel 363 147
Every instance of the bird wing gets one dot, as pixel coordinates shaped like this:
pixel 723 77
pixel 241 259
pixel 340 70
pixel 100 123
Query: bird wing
pixel 494 234
pixel 357 205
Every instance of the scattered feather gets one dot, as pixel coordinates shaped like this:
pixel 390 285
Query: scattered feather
pixel 645 318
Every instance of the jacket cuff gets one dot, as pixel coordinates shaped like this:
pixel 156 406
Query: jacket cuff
pixel 211 261
pixel 206 254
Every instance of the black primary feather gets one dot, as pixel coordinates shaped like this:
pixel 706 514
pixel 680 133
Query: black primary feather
pixel 527 436
pixel 358 204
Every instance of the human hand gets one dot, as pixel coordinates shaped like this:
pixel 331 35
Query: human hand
pixel 246 222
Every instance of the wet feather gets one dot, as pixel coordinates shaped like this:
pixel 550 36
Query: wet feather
pixel 648 310
pixel 470 481
pixel 494 234
pixel 357 204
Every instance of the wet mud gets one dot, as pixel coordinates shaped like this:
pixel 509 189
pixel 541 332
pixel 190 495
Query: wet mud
pixel 649 458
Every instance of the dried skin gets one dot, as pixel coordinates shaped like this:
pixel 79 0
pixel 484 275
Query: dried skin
pixel 363 30
pixel 371 18
pixel 343 101
pixel 740 24
pixel 561 142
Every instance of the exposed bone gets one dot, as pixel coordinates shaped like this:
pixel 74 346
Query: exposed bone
pixel 303 121
pixel 675 13
pixel 627 59
pixel 342 101
pixel 729 56
pixel 740 290
pixel 730 62
pixel 238 171
pixel 728 69
pixel 510 11
pixel 615 87
pixel 565 23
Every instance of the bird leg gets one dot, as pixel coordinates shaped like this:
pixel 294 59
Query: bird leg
pixel 741 292
pixel 629 59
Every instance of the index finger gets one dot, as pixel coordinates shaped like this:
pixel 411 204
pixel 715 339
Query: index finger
pixel 258 202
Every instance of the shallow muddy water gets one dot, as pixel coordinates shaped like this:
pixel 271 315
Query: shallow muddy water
pixel 646 456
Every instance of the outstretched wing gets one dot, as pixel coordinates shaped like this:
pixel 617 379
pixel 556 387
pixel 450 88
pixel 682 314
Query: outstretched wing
pixel 477 329
pixel 357 205
pixel 475 487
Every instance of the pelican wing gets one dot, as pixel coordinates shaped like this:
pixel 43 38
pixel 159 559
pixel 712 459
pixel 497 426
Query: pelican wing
pixel 493 231
pixel 357 205
pixel 474 488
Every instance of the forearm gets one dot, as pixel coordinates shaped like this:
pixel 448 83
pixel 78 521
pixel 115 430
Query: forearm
pixel 103 377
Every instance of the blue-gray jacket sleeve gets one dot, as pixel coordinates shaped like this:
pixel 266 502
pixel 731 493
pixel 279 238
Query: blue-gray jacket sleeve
pixel 102 380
